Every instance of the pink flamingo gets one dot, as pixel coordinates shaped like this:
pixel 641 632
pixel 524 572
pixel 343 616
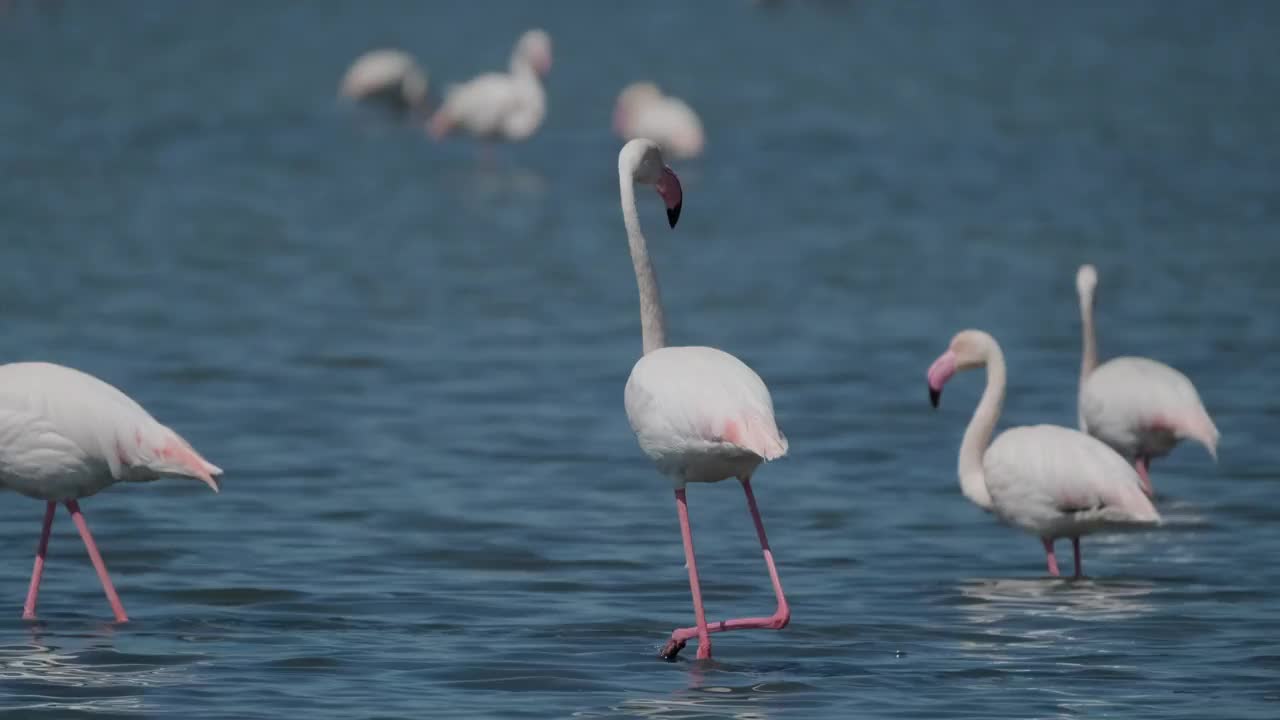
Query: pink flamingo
pixel 699 413
pixel 65 435
pixel 643 111
pixel 500 106
pixel 1051 481
pixel 388 75
pixel 1140 407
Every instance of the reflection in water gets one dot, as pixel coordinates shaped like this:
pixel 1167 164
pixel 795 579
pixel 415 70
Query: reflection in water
pixel 491 181
pixel 747 702
pixel 33 666
pixel 994 601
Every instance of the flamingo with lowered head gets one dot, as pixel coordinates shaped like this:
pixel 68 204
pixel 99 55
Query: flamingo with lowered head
pixel 1140 407
pixel 1051 481
pixel 388 76
pixel 643 111
pixel 500 106
pixel 699 413
pixel 65 435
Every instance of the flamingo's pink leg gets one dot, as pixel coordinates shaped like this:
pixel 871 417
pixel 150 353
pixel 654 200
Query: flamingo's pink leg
pixel 1052 559
pixel 1075 546
pixel 74 508
pixel 1141 464
pixel 29 607
pixel 677 641
pixel 780 617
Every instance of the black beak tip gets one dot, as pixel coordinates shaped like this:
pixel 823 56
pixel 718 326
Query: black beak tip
pixel 673 214
pixel 934 396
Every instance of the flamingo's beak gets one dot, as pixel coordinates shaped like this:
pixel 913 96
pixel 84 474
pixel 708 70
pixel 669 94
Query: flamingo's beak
pixel 939 373
pixel 669 188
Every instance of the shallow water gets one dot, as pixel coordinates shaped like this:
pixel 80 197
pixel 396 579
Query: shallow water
pixel 409 358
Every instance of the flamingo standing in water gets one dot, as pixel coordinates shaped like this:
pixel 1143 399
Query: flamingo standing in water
pixel 1140 407
pixel 1051 481
pixel 642 111
pixel 65 435
pixel 699 413
pixel 500 106
pixel 388 76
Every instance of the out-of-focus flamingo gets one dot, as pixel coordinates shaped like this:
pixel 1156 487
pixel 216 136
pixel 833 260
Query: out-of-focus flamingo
pixel 500 106
pixel 699 413
pixel 1051 481
pixel 387 76
pixel 1140 407
pixel 65 435
pixel 642 111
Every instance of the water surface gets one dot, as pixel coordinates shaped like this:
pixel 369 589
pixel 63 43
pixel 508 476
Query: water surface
pixel 409 357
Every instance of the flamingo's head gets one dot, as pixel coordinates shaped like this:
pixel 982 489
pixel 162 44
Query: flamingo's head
pixel 642 159
pixel 1086 281
pixel 968 350
pixel 534 48
pixel 630 100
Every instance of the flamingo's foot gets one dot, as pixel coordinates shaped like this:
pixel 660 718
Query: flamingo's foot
pixel 776 621
pixel 671 649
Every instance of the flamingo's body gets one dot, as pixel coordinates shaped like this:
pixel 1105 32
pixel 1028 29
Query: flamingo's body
pixel 642 111
pixel 1050 481
pixel 1139 407
pixel 500 106
pixel 389 76
pixel 66 435
pixel 699 413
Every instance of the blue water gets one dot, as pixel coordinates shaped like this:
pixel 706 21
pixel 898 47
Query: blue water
pixel 409 357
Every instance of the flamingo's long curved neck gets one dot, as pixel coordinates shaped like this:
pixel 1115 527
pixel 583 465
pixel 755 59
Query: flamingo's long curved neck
pixel 973 480
pixel 1089 342
pixel 652 325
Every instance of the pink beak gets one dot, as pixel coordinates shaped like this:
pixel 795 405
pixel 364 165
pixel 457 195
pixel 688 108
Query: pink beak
pixel 669 188
pixel 939 373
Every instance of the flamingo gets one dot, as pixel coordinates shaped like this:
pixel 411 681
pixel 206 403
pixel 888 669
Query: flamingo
pixel 1051 481
pixel 699 413
pixel 1140 407
pixel 389 76
pixel 500 106
pixel 65 435
pixel 643 111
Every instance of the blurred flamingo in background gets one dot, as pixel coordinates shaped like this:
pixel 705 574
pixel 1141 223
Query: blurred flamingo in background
pixel 642 111
pixel 65 435
pixel 1051 481
pixel 500 106
pixel 387 76
pixel 699 413
pixel 1140 407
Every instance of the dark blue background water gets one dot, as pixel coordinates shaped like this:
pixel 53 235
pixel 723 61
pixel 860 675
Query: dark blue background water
pixel 410 358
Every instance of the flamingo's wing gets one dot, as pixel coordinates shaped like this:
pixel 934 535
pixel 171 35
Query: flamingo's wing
pixel 686 399
pixel 481 104
pixel 378 71
pixel 1045 474
pixel 672 124
pixel 67 416
pixel 1127 397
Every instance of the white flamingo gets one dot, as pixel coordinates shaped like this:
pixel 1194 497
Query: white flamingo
pixel 1051 481
pixel 699 413
pixel 65 435
pixel 388 76
pixel 642 111
pixel 1140 407
pixel 500 106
